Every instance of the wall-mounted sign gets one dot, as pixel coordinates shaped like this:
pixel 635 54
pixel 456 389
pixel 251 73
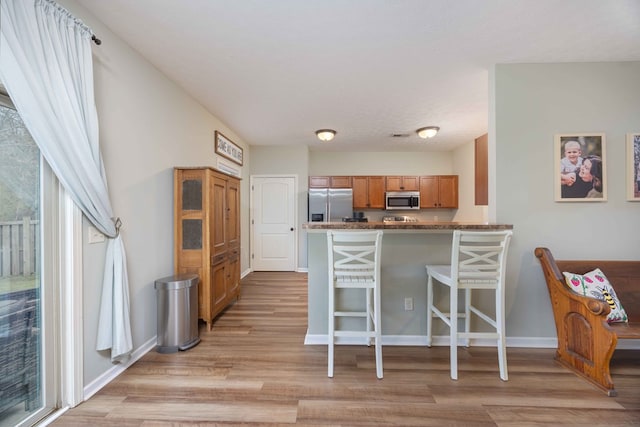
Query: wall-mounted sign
pixel 226 148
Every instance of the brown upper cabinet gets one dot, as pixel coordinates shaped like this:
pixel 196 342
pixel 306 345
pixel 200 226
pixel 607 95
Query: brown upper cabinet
pixel 402 183
pixel 368 192
pixel 329 182
pixel 482 170
pixel 436 191
pixel 439 191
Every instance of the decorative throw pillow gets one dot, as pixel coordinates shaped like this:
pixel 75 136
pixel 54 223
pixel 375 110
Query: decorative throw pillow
pixel 595 284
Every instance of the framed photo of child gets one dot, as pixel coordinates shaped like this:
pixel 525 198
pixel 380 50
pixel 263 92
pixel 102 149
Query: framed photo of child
pixel 633 167
pixel 580 167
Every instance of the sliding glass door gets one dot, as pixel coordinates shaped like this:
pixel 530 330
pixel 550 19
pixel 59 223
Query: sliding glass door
pixel 22 385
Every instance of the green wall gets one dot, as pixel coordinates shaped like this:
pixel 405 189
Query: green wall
pixel 533 102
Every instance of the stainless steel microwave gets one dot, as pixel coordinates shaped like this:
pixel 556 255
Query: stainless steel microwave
pixel 402 200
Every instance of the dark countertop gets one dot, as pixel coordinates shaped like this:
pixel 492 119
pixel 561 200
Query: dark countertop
pixel 424 225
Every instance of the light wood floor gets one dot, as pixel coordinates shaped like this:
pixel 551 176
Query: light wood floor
pixel 253 369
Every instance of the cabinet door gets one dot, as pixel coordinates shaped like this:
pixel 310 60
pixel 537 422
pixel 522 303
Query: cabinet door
pixel 232 217
pixel 410 183
pixel 394 183
pixel 233 278
pixel 340 182
pixel 402 183
pixel 218 292
pixel 482 170
pixel 448 191
pixel 189 218
pixel 360 192
pixel 218 213
pixel 428 192
pixel 376 192
pixel 439 191
pixel 319 182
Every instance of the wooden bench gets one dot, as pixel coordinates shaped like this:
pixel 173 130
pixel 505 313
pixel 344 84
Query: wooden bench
pixel 586 341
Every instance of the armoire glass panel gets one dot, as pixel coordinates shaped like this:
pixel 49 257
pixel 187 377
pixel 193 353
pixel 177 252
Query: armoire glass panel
pixel 192 195
pixel 191 234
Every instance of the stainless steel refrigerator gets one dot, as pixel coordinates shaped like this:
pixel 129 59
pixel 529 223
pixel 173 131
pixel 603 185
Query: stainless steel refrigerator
pixel 330 204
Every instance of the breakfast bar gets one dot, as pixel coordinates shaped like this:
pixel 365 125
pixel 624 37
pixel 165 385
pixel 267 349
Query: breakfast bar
pixel 406 248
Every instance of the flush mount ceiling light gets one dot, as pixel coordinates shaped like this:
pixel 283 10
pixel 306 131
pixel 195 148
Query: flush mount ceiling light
pixel 325 135
pixel 428 132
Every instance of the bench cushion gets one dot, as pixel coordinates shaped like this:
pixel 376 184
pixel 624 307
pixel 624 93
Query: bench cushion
pixel 595 284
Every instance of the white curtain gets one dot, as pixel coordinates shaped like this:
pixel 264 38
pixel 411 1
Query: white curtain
pixel 46 66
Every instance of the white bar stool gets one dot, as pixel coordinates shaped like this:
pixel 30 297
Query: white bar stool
pixel 477 262
pixel 354 263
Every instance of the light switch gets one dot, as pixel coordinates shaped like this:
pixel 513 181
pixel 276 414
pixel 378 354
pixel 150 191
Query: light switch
pixel 95 236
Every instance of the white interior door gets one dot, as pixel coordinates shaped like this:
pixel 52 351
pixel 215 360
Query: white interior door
pixel 273 200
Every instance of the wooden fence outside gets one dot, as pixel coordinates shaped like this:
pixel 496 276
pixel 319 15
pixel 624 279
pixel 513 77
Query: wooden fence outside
pixel 19 242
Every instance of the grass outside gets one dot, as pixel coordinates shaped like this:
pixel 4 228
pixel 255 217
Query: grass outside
pixel 17 283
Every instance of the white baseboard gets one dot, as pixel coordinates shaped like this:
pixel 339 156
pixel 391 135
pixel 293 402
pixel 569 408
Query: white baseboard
pixel 104 379
pixel 302 270
pixel 244 273
pixel 628 345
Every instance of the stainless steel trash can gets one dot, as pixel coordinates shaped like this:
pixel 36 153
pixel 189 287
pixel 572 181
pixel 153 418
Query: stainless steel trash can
pixel 177 298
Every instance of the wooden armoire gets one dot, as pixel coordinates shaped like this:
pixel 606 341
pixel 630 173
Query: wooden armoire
pixel 207 235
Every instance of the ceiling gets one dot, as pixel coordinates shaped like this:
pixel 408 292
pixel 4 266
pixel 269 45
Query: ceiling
pixel 275 71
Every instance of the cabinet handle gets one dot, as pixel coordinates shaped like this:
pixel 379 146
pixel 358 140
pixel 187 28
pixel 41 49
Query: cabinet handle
pixel 291 228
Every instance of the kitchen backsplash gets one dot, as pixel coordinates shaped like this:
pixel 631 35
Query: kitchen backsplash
pixel 376 215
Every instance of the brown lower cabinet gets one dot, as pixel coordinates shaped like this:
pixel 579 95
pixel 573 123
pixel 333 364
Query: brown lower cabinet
pixel 207 236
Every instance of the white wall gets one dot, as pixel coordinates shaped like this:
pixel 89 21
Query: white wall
pixel 532 103
pixel 148 125
pixel 289 160
pixel 380 163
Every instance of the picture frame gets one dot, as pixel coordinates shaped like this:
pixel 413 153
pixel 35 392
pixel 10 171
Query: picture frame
pixel 580 167
pixel 226 148
pixel 633 167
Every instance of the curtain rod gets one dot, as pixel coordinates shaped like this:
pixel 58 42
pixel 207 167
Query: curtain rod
pixel 69 15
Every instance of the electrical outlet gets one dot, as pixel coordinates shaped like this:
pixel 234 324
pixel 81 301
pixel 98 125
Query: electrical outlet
pixel 95 236
pixel 408 304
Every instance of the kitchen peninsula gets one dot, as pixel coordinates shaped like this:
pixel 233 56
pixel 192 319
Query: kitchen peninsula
pixel 406 248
